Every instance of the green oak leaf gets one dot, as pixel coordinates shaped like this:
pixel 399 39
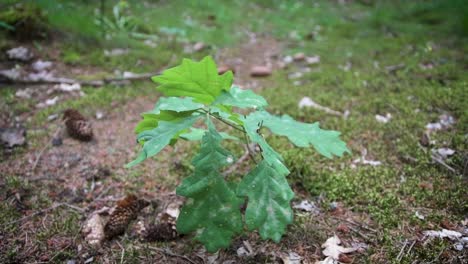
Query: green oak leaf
pixel 157 138
pixel 176 104
pixel 198 133
pixel 241 98
pixel 326 142
pixel 226 113
pixel 270 156
pixel 212 209
pixel 199 80
pixel 150 120
pixel 269 196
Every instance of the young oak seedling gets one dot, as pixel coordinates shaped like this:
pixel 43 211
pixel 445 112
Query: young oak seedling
pixel 212 210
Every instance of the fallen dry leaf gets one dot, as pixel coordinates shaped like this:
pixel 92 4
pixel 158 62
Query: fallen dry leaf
pixel 307 206
pixel 333 249
pixel 292 258
pixel 383 119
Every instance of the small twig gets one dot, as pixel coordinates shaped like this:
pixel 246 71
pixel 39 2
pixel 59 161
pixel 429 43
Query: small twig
pixel 40 155
pixel 394 68
pixel 356 224
pixel 400 255
pixel 227 123
pixel 441 162
pixel 172 254
pixel 238 162
pixel 438 256
pixel 359 233
pixel 411 247
pixel 311 103
pixel 122 254
pixel 36 162
pixel 55 206
pixel 247 142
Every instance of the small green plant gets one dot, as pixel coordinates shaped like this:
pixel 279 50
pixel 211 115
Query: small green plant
pixel 213 206
pixel 120 22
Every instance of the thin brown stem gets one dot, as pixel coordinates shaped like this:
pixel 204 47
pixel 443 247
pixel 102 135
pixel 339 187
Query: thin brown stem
pixel 241 129
pixel 247 144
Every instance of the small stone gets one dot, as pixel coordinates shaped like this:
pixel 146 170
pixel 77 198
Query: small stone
pixel 445 152
pixel 299 56
pixel 41 65
pixel 99 115
pixel 288 59
pixel 52 117
pixel 425 140
pixel 20 53
pixel 199 46
pixel 458 246
pixel 313 60
pixel 150 43
pixel 295 75
pixel 11 74
pixel 57 141
pixel 115 52
pixel 65 87
pixel 52 101
pixel 260 71
pixel 224 68
pixel 25 93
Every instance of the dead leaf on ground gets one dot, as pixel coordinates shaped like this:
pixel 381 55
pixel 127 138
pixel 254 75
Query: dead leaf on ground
pixel 12 137
pixel 291 258
pixel 383 119
pixel 307 206
pixel 333 249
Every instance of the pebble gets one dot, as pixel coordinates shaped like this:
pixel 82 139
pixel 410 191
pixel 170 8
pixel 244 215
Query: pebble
pixel 299 56
pixel 224 68
pixel 260 71
pixel 57 141
pixel 199 46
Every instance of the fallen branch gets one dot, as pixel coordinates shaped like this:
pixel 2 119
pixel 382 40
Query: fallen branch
pixel 58 80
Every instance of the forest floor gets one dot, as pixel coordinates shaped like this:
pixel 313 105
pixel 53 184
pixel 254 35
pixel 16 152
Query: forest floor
pixel 394 74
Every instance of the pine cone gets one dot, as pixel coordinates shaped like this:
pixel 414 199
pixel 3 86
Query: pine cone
pixel 77 125
pixel 126 211
pixel 164 231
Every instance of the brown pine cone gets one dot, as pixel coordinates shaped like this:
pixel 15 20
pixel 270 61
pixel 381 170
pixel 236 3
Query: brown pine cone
pixel 164 231
pixel 126 211
pixel 77 125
